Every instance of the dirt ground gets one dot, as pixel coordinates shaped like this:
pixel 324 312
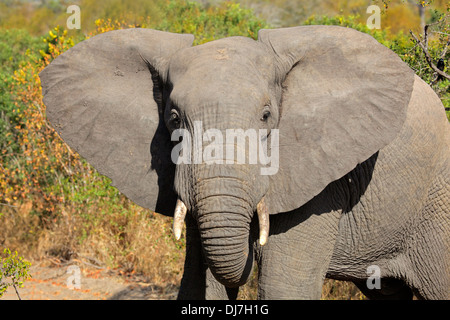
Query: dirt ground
pixel 55 279
pixel 74 281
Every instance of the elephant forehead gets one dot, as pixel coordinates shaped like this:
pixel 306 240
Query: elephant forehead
pixel 224 70
pixel 218 84
pixel 238 56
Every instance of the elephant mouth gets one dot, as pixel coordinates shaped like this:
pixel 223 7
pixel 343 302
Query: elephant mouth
pixel 261 209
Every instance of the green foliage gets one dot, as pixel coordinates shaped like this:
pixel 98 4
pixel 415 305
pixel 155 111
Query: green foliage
pixel 32 157
pixel 32 16
pixel 136 12
pixel 16 48
pixel 227 19
pixel 14 271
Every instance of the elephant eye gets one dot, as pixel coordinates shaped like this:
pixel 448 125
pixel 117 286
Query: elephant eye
pixel 174 120
pixel 265 116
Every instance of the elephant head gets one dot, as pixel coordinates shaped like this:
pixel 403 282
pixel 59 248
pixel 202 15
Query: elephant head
pixel 322 98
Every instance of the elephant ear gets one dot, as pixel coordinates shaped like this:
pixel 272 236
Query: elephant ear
pixel 344 98
pixel 103 99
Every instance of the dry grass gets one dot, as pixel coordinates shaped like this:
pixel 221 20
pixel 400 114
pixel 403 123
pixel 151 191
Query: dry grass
pixel 134 240
pixel 341 290
pixel 128 237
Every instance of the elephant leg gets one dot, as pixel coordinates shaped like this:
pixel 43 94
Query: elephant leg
pixel 193 283
pixel 294 262
pixel 426 264
pixel 198 283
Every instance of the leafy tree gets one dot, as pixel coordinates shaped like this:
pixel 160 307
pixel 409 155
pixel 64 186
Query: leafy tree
pixel 14 271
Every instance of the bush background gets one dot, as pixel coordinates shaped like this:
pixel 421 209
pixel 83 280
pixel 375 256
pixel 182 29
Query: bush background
pixel 53 203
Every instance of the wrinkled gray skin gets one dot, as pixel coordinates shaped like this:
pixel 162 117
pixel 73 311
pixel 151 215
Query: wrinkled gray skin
pixel 364 154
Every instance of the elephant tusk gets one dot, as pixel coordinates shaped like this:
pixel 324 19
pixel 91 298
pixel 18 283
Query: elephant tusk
pixel 178 218
pixel 263 217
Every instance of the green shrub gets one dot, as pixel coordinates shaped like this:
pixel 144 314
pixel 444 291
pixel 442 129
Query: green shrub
pixel 14 270
pixel 16 48
pixel 227 19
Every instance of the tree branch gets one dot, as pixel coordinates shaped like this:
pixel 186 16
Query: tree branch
pixel 17 292
pixel 424 47
pixel 444 52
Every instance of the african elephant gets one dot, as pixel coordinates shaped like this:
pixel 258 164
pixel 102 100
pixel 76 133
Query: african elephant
pixel 363 145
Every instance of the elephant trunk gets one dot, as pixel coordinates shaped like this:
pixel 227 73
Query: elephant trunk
pixel 238 277
pixel 224 212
